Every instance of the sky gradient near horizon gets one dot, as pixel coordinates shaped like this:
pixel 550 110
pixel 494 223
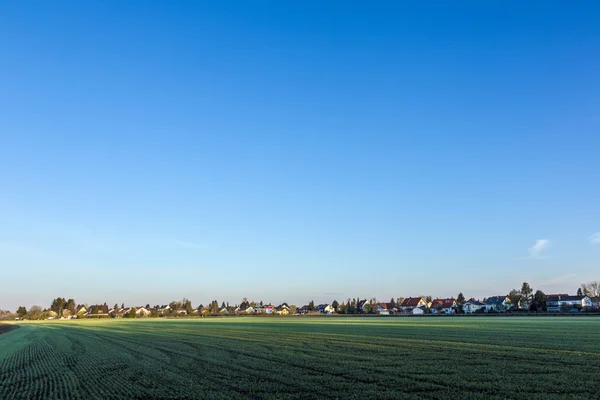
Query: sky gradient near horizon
pixel 296 151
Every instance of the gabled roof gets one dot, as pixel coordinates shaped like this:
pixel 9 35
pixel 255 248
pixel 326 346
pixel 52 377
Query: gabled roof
pixel 444 303
pixel 475 302
pixel 99 309
pixel 411 301
pixel 564 297
pixel 495 300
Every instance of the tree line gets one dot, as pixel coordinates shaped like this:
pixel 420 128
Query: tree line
pixel 61 307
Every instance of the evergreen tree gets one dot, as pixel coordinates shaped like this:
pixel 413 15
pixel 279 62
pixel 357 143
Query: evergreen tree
pixel 335 305
pixel 311 306
pixel 526 291
pixel 460 299
pixel 579 292
pixel 21 311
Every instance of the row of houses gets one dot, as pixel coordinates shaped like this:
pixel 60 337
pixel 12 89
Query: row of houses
pixel 409 305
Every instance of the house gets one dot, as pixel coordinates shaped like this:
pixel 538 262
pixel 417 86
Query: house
pixel 497 304
pixel 303 310
pixel 325 309
pixel 556 303
pixel 98 311
pixel 443 306
pixel 245 310
pixel 142 312
pixel 282 309
pixel 165 310
pixel 223 310
pixel 362 305
pixel 473 306
pixel 410 303
pixel 385 308
pixel 80 310
pixel 269 309
pixel 419 310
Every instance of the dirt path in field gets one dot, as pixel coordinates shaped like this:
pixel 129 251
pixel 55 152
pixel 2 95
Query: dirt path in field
pixel 4 328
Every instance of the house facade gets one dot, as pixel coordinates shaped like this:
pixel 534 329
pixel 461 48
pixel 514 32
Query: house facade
pixel 410 303
pixel 556 303
pixel 443 306
pixel 497 304
pixel 325 309
pixel 473 306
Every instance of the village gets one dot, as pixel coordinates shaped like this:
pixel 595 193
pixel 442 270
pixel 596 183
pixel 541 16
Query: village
pixel 517 301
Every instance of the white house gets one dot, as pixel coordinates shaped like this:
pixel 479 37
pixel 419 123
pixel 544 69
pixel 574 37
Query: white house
pixel 443 306
pixel 556 303
pixel 472 306
pixel 418 311
pixel 383 308
pixel 410 303
pixel 325 309
pixel 142 312
pixel 497 304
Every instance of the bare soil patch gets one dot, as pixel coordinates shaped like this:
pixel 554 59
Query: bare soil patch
pixel 7 328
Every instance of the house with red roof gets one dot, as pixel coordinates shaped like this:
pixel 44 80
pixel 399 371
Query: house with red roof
pixel 443 306
pixel 410 303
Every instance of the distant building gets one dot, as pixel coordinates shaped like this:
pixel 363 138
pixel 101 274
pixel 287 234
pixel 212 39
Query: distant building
pixel 497 304
pixel 473 306
pixel 556 303
pixel 410 303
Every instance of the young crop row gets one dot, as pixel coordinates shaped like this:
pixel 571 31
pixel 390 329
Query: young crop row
pixel 244 360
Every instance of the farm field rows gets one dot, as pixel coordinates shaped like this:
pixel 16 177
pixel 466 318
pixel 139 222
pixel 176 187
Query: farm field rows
pixel 297 358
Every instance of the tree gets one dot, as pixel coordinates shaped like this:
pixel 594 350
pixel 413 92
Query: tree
pixel 35 312
pixel 526 291
pixel 116 307
pixel 71 306
pixel 122 305
pixel 428 299
pixel 515 297
pixel 132 312
pixel 564 307
pixel 58 305
pixel 399 301
pixel 21 311
pixel 460 299
pixel 579 292
pixel 293 309
pixel 214 307
pixel 591 289
pixel 187 305
pixel 311 306
pixel 539 301
pixel 335 305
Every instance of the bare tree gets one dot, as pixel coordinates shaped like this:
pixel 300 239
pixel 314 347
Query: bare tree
pixel 591 289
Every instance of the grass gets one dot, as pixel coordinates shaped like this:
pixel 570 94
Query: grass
pixel 313 358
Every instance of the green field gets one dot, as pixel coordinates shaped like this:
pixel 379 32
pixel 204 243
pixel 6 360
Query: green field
pixel 329 358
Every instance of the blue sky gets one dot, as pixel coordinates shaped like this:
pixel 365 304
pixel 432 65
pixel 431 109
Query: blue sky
pixel 297 151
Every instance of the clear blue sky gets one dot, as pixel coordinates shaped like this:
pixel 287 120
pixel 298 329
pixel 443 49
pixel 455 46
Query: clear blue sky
pixel 294 151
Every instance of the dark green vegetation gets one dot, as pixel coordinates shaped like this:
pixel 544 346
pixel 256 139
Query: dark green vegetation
pixel 268 358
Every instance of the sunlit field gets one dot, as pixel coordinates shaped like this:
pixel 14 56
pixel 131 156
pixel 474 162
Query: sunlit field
pixel 314 358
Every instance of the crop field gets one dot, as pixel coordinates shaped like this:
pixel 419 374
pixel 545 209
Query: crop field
pixel 297 358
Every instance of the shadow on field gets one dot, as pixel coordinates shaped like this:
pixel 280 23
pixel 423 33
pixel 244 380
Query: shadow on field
pixel 4 328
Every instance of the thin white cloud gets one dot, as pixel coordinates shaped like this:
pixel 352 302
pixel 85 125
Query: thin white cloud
pixel 595 238
pixel 539 246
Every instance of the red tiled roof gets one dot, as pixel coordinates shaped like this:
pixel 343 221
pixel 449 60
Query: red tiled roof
pixel 411 301
pixel 444 303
